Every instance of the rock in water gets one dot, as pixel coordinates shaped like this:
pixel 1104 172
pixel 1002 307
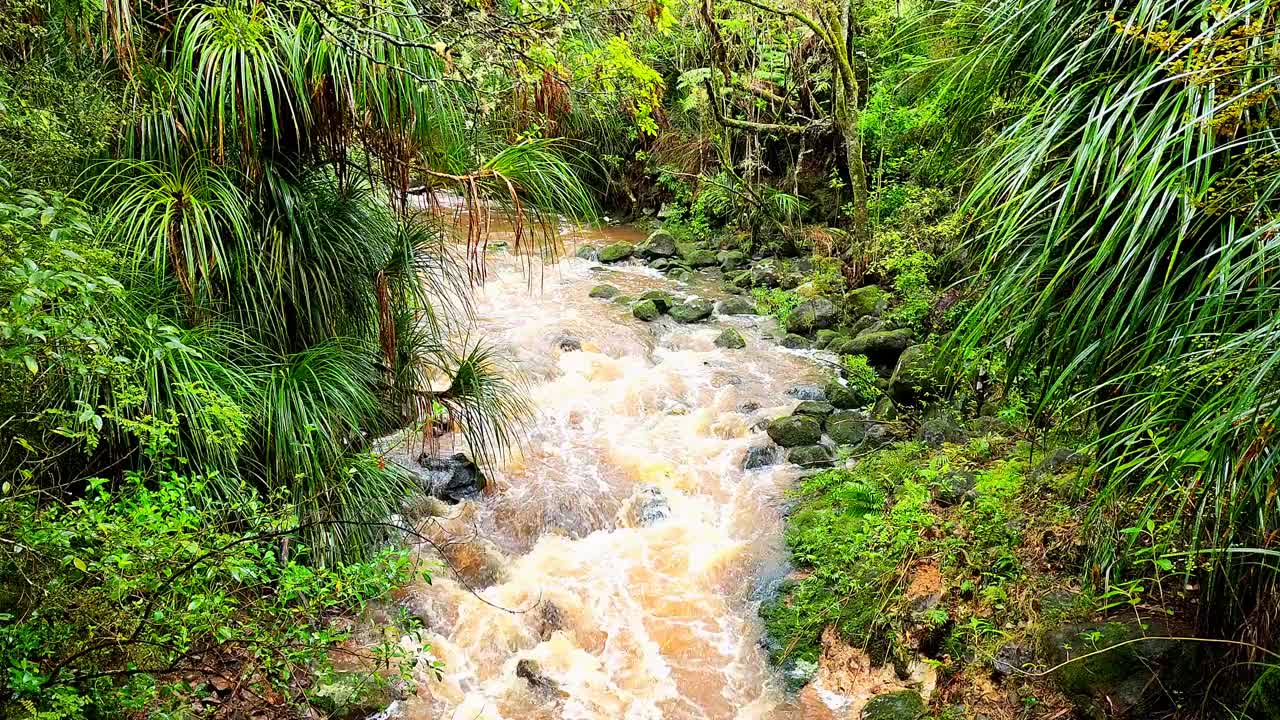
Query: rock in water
pixel 758 457
pixel 691 311
pixel 568 343
pixel 816 408
pixel 661 299
pixel 807 392
pixel 810 456
pixel 731 260
pixel 451 479
pixel 736 306
pixel 815 314
pixel 588 252
pixel 646 310
pixel 795 431
pixel 881 348
pixel 603 291
pixel 791 341
pixel 659 244
pixel 617 252
pixel 649 507
pixel 730 339
pixel 900 705
pixel 531 672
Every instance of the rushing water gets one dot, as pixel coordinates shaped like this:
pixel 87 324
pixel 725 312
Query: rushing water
pixel 624 547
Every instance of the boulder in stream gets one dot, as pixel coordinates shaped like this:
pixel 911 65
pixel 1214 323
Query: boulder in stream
pixel 731 260
pixel 807 392
pixel 811 315
pixel 795 431
pixel 662 299
pixel 649 507
pixel 760 456
pixel 736 306
pixel 659 244
pixel 451 479
pixel 616 252
pixel 588 252
pixel 808 456
pixel 646 310
pixel 869 300
pixel 881 348
pixel 603 291
pixel 847 427
pixel 691 310
pixel 816 408
pixel 730 339
pixel 530 671
pixel 792 341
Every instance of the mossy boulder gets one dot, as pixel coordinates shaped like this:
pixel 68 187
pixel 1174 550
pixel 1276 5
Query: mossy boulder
pixel 730 339
pixel 793 341
pixel 659 244
pixel 795 431
pixel 353 695
pixel 731 260
pixel 646 310
pixel 845 397
pixel 823 338
pixel 696 256
pixel 588 252
pixel 736 306
pixel 617 252
pixel 1123 679
pixel 869 300
pixel 811 315
pixel 691 311
pixel 916 378
pixel 847 427
pixel 900 705
pixel 815 408
pixel 881 348
pixel 603 291
pixel 623 299
pixel 810 456
pixel 765 275
pixel 660 298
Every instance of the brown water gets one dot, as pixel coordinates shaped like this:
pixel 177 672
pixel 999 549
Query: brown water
pixel 626 619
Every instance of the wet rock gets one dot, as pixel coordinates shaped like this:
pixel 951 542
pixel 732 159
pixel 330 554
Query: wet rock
pixel 940 429
pixel 815 314
pixel 869 300
pixel 881 348
pixel 531 672
pixel 811 456
pixel 451 479
pixel 661 299
pixel 646 310
pixel 567 343
pixel 603 291
pixel 356 695
pixel 955 487
pixel 659 244
pixel 765 275
pixel 791 341
pixel 760 456
pixel 823 338
pixel 622 300
pixel 1060 459
pixel 1120 682
pixel 681 275
pixel 900 705
pixel 662 264
pixel 588 252
pixel 877 434
pixel 916 378
pixel 795 431
pixel 730 339
pixel 736 306
pixel 749 406
pixel 807 392
pixel 842 396
pixel 847 427
pixel 731 260
pixel 650 507
pixel 798 672
pixel 617 252
pixel 816 408
pixel 695 256
pixel 550 619
pixel 691 311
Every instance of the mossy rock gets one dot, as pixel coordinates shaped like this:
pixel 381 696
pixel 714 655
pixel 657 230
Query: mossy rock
pixel 696 256
pixel 815 408
pixel 603 292
pixel 793 341
pixel 811 315
pixel 623 299
pixel 881 348
pixel 795 431
pixel 588 252
pixel 659 244
pixel 731 260
pixel 845 397
pixel 353 695
pixel 869 300
pixel 617 252
pixel 847 427
pixel 660 298
pixel 823 338
pixel 691 311
pixel 917 378
pixel 730 339
pixel 809 456
pixel 736 306
pixel 646 310
pixel 900 705
pixel 1129 674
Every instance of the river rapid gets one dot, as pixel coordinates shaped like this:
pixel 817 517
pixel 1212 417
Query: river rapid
pixel 616 567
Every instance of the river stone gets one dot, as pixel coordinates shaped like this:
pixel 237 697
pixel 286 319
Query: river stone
pixel 617 252
pixel 810 456
pixel 815 408
pixel 741 280
pixel 916 378
pixel 823 338
pixel 760 456
pixel 662 264
pixel 869 300
pixel 683 275
pixel 567 343
pixel 646 310
pixel 765 275
pixel 530 671
pixel 622 300
pixel 731 260
pixel 730 339
pixel 660 298
pixel 736 306
pixel 795 430
pixel 842 396
pixel 881 348
pixel 900 705
pixel 588 252
pixel 807 392
pixel 650 507
pixel 603 291
pixel 791 341
pixel 451 479
pixel 659 244
pixel 815 314
pixel 691 311
pixel 847 427
pixel 877 434
pixel 695 256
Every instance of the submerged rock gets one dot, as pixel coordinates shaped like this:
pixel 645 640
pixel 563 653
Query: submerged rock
pixel 691 311
pixel 807 392
pixel 617 252
pixel 649 507
pixel 795 431
pixel 603 291
pixel 791 341
pixel 646 310
pixel 530 671
pixel 730 339
pixel 451 479
pixel 567 343
pixel 760 456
